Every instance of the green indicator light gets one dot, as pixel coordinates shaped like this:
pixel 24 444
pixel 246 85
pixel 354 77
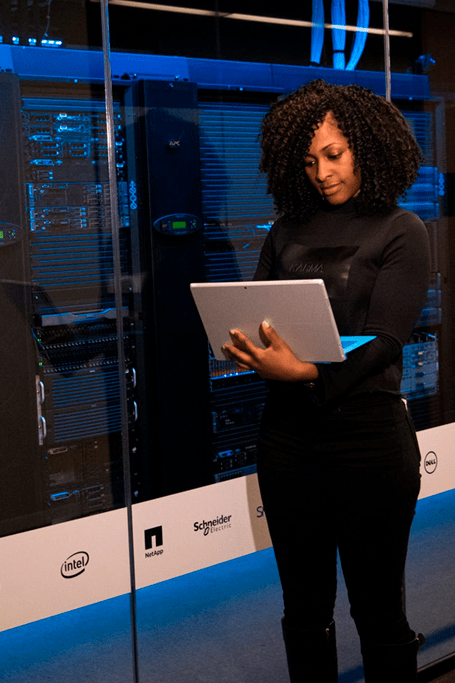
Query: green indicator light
pixel 178 225
pixel 2 235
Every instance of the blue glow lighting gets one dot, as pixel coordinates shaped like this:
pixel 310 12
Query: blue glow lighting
pixel 15 40
pixel 442 185
pixel 363 20
pixel 51 43
pixel 338 34
pixel 317 32
pixel 32 41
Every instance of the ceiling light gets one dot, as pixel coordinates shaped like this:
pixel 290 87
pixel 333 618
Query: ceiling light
pixel 248 17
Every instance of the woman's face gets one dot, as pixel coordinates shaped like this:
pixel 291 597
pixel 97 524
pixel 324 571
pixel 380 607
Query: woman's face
pixel 329 164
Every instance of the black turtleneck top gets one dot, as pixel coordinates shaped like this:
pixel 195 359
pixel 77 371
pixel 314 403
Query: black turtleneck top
pixel 376 272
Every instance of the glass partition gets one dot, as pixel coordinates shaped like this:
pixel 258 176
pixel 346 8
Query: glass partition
pixel 193 110
pixel 197 82
pixel 429 579
pixel 63 515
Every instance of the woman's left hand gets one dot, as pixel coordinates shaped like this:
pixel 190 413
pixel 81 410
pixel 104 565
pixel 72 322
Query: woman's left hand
pixel 277 361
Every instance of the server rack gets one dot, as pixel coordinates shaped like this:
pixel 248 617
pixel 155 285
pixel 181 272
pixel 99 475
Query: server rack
pixel 73 455
pixel 74 323
pixel 19 468
pixel 173 426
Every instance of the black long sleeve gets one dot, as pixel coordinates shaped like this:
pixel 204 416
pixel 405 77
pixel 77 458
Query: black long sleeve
pixel 376 272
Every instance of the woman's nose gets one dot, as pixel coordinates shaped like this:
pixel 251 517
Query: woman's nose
pixel 322 170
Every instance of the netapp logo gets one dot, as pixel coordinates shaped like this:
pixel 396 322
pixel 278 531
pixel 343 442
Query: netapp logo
pixel 157 534
pixel 430 462
pixel 74 565
pixel 213 525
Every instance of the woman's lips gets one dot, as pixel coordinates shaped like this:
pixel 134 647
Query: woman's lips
pixel 330 189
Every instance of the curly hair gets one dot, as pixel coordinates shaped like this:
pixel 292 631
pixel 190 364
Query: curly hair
pixel 384 148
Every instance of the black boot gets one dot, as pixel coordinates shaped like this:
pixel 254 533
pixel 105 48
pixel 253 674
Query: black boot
pixel 311 655
pixel 391 663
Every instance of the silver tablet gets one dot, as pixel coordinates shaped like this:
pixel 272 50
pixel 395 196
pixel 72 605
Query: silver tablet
pixel 299 310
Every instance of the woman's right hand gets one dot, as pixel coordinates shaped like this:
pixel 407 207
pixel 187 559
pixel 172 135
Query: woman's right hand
pixel 277 361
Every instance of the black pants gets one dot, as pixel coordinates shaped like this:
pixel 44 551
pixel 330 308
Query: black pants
pixel 345 479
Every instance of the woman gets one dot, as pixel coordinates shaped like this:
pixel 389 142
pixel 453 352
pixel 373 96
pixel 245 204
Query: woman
pixel 338 460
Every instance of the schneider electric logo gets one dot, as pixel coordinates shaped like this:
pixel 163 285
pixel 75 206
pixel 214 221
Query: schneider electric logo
pixel 430 462
pixel 74 565
pixel 154 539
pixel 213 525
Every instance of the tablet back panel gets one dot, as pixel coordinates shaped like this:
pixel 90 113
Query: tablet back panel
pixel 299 310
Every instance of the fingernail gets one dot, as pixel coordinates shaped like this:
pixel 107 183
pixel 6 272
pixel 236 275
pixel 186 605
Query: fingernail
pixel 265 323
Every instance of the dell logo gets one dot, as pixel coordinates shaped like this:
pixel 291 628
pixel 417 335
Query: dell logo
pixel 430 462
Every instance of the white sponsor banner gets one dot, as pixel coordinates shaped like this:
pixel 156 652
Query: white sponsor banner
pixel 55 569
pixel 437 446
pixel 62 567
pixel 196 529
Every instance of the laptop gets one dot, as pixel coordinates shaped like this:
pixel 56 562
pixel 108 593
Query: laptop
pixel 299 310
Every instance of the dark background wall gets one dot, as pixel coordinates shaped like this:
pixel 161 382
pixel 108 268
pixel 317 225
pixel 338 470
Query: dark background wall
pixel 77 23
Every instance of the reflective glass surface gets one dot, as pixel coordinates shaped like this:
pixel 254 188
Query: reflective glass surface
pixel 63 514
pixel 121 437
pixel 430 584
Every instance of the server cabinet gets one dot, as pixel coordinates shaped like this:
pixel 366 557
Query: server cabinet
pixel 20 387
pixel 63 426
pixel 173 426
pixel 423 384
pixel 74 314
pixel 237 216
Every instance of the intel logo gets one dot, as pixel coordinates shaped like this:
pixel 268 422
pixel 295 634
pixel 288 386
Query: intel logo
pixel 430 462
pixel 74 565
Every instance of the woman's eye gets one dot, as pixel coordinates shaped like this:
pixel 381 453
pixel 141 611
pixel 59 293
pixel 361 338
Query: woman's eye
pixel 335 156
pixel 307 164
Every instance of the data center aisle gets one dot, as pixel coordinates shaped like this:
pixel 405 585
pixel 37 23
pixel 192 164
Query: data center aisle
pixel 219 625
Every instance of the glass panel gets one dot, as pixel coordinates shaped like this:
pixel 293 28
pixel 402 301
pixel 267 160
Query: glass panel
pixel 190 90
pixel 62 460
pixel 429 578
pixel 214 164
pixel 195 89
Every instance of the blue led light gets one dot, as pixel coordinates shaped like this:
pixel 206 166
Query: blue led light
pixel 442 185
pixel 51 43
